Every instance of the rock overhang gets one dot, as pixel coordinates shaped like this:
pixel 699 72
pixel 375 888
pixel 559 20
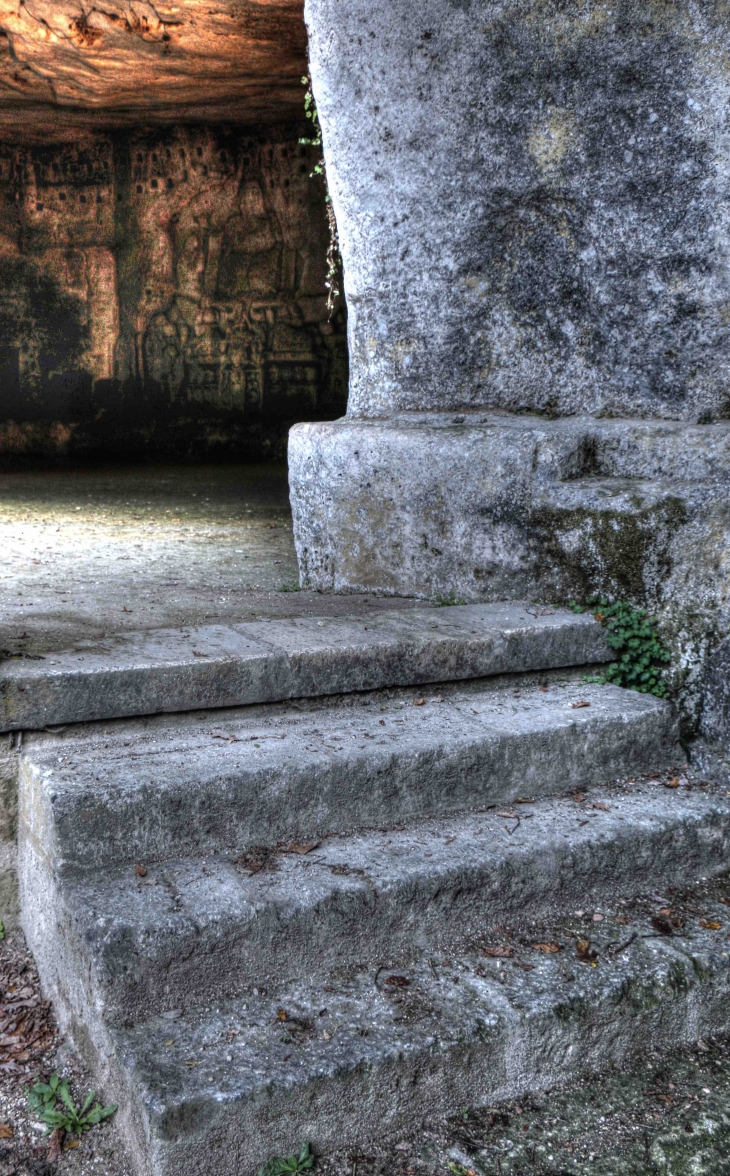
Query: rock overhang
pixel 68 68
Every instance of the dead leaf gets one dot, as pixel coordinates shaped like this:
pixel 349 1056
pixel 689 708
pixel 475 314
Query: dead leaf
pixel 140 871
pixel 673 783
pixel 510 815
pixel 419 701
pixel 55 1145
pixel 499 953
pixel 662 924
pixel 527 967
pixel 710 925
pixel 577 705
pixel 549 948
pixel 578 797
pixel 524 800
pixel 397 982
pixel 724 901
pixel 600 804
pixel 258 857
pixel 586 954
pixel 599 616
pixel 282 1015
pixel 6 1131
pixel 221 733
pixel 196 654
pixel 302 847
pixel 70 1146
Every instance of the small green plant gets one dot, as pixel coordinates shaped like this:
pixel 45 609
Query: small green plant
pixel 334 257
pixel 457 1169
pixel 290 586
pixel 44 1099
pixel 2 930
pixel 288 1165
pixel 448 599
pixel 633 635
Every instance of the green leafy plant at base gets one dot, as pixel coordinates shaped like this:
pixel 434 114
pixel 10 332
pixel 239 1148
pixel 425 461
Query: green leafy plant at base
pixel 44 1099
pixel 289 1165
pixel 448 599
pixel 290 586
pixel 633 635
pixel 2 930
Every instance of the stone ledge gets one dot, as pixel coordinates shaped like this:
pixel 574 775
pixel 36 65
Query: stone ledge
pixel 490 506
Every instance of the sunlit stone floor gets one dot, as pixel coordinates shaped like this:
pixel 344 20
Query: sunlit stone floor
pixel 92 551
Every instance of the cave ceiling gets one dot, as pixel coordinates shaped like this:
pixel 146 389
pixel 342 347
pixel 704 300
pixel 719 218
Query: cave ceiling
pixel 68 68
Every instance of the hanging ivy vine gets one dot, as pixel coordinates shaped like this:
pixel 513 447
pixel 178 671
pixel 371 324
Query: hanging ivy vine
pixel 333 281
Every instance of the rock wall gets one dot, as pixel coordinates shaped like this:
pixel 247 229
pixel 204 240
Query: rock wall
pixel 163 291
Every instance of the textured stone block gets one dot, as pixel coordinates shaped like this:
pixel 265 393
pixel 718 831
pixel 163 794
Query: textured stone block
pixel 531 202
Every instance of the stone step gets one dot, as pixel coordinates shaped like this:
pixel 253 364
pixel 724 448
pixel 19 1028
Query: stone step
pixel 381 1048
pixel 199 785
pixel 172 670
pixel 195 931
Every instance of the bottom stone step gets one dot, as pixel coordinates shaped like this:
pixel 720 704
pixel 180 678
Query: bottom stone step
pixel 217 1092
pixel 197 931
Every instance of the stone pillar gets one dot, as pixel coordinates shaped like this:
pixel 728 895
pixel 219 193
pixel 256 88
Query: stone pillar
pixel 532 204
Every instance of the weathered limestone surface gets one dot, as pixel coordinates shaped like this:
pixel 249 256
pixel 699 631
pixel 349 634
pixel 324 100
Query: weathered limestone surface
pixel 168 670
pixel 530 198
pixel 489 506
pixel 67 65
pixel 531 202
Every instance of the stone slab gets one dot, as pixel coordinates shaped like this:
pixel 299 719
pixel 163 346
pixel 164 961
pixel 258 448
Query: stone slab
pixel 204 784
pixel 216 666
pixel 191 931
pixel 221 1090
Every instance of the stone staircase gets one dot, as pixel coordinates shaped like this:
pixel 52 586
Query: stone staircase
pixel 268 919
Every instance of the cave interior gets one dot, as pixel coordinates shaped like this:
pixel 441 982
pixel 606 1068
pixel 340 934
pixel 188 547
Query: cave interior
pixel 162 238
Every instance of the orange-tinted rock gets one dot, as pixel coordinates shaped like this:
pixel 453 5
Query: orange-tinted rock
pixel 67 67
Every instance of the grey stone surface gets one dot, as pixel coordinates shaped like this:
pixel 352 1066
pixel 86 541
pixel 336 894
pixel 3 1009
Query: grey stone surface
pixel 191 931
pixel 716 697
pixel 489 506
pixel 200 784
pixel 531 202
pixel 222 666
pixel 219 1091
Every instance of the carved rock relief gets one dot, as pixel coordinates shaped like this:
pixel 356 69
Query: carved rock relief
pixel 184 276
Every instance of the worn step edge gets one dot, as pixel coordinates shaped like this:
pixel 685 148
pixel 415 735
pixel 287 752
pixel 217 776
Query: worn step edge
pixel 171 670
pixel 298 774
pixel 219 1091
pixel 197 931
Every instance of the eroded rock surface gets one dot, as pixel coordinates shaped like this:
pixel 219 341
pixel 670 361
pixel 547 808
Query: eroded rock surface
pixel 72 64
pixel 531 201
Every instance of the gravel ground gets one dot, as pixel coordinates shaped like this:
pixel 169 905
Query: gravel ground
pixel 92 551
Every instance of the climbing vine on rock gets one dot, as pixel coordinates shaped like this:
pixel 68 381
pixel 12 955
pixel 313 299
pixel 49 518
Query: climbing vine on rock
pixel 633 635
pixel 334 259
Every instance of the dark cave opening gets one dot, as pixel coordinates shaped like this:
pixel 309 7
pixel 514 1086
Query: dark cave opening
pixel 162 296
